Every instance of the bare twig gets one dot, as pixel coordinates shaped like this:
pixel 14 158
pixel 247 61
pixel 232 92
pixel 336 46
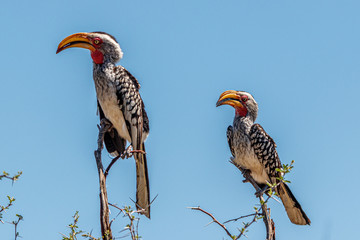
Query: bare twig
pixel 105 125
pixel 16 223
pixel 126 154
pixel 110 165
pixel 214 220
pixel 246 225
pixel 242 231
pixel 245 216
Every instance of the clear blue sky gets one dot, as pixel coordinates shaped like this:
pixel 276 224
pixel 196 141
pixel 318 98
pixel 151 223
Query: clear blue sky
pixel 299 59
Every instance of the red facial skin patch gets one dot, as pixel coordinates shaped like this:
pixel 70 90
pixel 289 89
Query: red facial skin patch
pixel 97 56
pixel 241 111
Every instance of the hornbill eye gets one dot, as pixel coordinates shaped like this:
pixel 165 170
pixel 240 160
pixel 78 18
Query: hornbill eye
pixel 97 41
pixel 244 98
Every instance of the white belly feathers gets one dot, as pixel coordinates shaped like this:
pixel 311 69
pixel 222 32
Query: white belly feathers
pixel 110 106
pixel 252 163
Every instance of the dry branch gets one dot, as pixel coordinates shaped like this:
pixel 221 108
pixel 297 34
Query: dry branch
pixel 104 205
pixel 263 214
pixel 269 223
pixel 133 228
pixel 214 220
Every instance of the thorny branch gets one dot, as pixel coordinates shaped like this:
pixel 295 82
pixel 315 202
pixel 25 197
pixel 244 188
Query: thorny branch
pixel 213 220
pixel 256 215
pixel 262 213
pixel 132 227
pixel 74 231
pixel 245 216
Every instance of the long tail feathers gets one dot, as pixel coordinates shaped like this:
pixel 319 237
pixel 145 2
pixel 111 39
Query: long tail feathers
pixel 292 206
pixel 142 183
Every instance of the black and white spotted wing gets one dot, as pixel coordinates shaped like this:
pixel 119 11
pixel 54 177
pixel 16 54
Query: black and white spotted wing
pixel 137 123
pixel 265 149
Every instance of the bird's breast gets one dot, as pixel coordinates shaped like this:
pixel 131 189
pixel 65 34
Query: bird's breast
pixel 250 161
pixel 245 157
pixel 109 102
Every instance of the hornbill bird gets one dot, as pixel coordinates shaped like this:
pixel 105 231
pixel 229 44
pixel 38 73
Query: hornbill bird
pixel 119 101
pixel 255 151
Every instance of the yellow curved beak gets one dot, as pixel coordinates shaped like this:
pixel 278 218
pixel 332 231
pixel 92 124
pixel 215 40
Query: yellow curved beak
pixel 76 40
pixel 231 98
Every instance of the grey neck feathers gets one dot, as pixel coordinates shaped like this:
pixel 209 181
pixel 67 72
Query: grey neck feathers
pixel 114 57
pixel 112 52
pixel 252 112
pixel 243 124
pixel 104 72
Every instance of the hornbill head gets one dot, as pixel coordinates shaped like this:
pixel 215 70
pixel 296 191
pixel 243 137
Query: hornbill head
pixel 103 46
pixel 243 102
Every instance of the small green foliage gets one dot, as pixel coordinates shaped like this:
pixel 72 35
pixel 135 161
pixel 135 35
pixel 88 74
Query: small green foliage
pixel 15 223
pixel 286 168
pixel 13 178
pixel 131 227
pixel 270 192
pixel 89 236
pixel 10 200
pixel 260 213
pixel 74 232
pixel 127 211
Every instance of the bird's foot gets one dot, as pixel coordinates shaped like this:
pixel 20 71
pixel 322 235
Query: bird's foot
pixel 105 122
pixel 260 192
pixel 127 153
pixel 138 151
pixel 246 174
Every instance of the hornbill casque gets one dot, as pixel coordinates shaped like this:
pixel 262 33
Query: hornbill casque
pixel 119 101
pixel 254 150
